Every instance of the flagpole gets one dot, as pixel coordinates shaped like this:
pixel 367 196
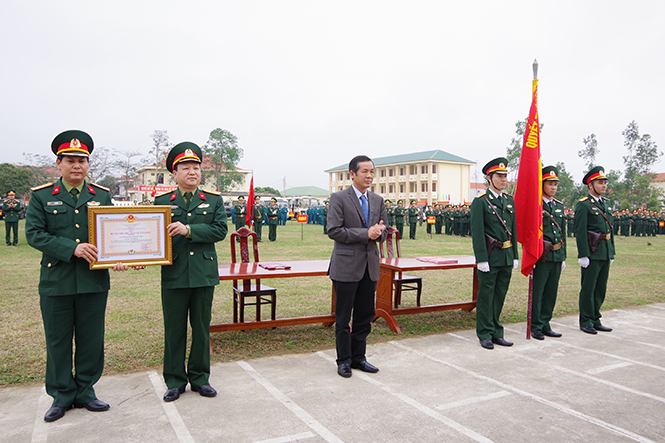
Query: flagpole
pixel 529 311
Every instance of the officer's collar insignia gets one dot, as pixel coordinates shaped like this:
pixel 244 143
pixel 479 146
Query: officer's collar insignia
pixel 56 189
pixel 203 197
pixel 173 196
pixel 92 191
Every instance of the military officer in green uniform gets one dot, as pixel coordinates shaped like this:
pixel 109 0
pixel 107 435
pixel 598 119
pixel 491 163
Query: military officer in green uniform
pixel 438 218
pixel 399 213
pixel 391 212
pixel 593 216
pixel 324 216
pixel 429 212
pixel 570 221
pixel 548 269
pixel 198 221
pixel 258 213
pixel 240 211
pixel 273 219
pixel 71 296
pixel 493 224
pixel 413 213
pixel 465 221
pixel 10 209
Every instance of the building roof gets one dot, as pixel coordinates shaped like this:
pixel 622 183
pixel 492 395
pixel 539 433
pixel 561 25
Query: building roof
pixel 660 177
pixel 412 157
pixel 313 191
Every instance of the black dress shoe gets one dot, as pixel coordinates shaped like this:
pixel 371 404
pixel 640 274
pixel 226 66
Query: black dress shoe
pixel 588 330
pixel 56 412
pixel 551 333
pixel 205 390
pixel 538 335
pixel 344 370
pixel 487 344
pixel 365 367
pixel 502 342
pixel 94 406
pixel 173 394
pixel 602 328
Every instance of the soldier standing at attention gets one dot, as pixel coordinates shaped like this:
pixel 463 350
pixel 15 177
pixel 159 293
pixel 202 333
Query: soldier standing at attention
pixel 391 213
pixel 258 212
pixel 239 211
pixel 570 222
pixel 273 219
pixel 595 249
pixel 548 269
pixel 429 212
pixel 188 285
pixel 324 215
pixel 495 247
pixel 413 219
pixel 399 212
pixel 10 209
pixel 72 297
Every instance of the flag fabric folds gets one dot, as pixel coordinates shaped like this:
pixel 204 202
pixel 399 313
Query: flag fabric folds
pixel 250 205
pixel 528 193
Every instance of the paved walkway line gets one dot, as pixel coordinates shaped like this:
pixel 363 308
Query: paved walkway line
pixel 178 425
pixel 559 407
pixel 473 400
pixel 40 429
pixel 419 406
pixel 618 357
pixel 289 438
pixel 291 405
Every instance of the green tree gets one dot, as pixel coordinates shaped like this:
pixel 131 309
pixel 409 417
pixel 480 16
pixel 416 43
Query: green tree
pixel 14 178
pixel 588 154
pixel 112 183
pixel 42 167
pixel 127 168
pixel 566 191
pixel 102 163
pixel 223 153
pixel 266 190
pixel 642 154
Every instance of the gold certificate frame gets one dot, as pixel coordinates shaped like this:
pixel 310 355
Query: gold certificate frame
pixel 133 235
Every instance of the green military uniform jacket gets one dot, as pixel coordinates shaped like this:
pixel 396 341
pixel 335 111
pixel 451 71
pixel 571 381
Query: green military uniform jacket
pixel 413 214
pixel 9 213
pixel 273 215
pixel 55 225
pixel 399 215
pixel 239 211
pixel 552 232
pixel 194 259
pixel 259 212
pixel 588 217
pixel 484 221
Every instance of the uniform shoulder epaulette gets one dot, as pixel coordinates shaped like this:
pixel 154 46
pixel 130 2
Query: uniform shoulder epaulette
pixel 100 187
pixel 212 192
pixel 584 199
pixel 163 193
pixel 509 195
pixel 37 188
pixel 481 195
pixel 560 202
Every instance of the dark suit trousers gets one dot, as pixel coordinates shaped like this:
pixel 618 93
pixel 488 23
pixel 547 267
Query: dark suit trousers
pixel 177 305
pixel 359 298
pixel 79 317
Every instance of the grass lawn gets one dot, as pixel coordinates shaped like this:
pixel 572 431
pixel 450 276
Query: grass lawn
pixel 134 328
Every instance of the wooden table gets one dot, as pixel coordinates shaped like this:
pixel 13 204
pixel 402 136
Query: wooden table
pixel 391 266
pixel 306 268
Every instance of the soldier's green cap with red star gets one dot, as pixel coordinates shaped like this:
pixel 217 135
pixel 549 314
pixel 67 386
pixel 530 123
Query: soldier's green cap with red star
pixel 550 173
pixel 596 173
pixel 183 152
pixel 72 142
pixel 496 165
pixel 11 193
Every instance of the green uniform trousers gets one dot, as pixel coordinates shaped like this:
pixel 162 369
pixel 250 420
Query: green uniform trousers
pixel 545 287
pixel 412 230
pixel 272 232
pixel 177 305
pixel 9 227
pixel 258 227
pixel 80 318
pixel 592 294
pixel 492 289
pixel 400 228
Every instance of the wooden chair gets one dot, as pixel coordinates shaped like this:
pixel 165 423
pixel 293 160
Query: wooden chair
pixel 262 294
pixel 402 282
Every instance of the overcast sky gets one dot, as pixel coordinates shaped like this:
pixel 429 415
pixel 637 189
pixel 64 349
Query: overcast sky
pixel 307 85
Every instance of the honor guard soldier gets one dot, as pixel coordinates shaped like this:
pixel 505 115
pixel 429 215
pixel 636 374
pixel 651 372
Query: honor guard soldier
pixel 258 213
pixel 548 269
pixel 429 212
pixel 10 210
pixel 413 213
pixel 439 215
pixel 390 211
pixel 595 249
pixel 399 213
pixel 273 219
pixel 240 211
pixel 72 297
pixel 198 221
pixel 495 248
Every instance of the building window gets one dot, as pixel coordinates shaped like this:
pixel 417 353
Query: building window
pixel 413 169
pixel 341 176
pixel 423 187
pixel 391 189
pixel 391 172
pixel 383 189
pixel 160 178
pixel 401 171
pixel 383 172
pixel 433 169
pixel 401 189
pixel 423 169
pixel 433 187
pixel 373 190
pixel 348 176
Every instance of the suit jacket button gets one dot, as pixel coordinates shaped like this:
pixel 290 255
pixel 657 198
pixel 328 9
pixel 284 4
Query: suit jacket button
pixel 78 241
pixel 191 252
pixel 77 225
pixel 55 211
pixel 49 265
pixel 76 211
pixel 189 214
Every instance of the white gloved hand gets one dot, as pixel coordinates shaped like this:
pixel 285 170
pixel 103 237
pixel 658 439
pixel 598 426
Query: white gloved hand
pixel 484 266
pixel 611 261
pixel 563 265
pixel 516 264
pixel 584 262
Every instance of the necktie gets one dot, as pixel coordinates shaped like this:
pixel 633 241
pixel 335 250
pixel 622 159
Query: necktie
pixel 74 193
pixel 500 199
pixel 365 206
pixel 187 197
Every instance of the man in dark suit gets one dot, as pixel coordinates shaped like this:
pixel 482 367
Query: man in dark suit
pixel 188 285
pixel 71 296
pixel 357 220
pixel 593 215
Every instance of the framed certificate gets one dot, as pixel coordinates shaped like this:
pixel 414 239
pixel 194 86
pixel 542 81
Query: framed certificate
pixel 134 235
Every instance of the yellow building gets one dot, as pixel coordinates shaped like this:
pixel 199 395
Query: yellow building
pixel 427 177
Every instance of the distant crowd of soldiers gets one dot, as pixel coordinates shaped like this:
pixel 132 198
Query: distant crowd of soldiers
pixel 448 219
pixel 639 223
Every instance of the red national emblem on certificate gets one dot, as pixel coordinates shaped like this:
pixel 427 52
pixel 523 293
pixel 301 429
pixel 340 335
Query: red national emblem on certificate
pixel 130 218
